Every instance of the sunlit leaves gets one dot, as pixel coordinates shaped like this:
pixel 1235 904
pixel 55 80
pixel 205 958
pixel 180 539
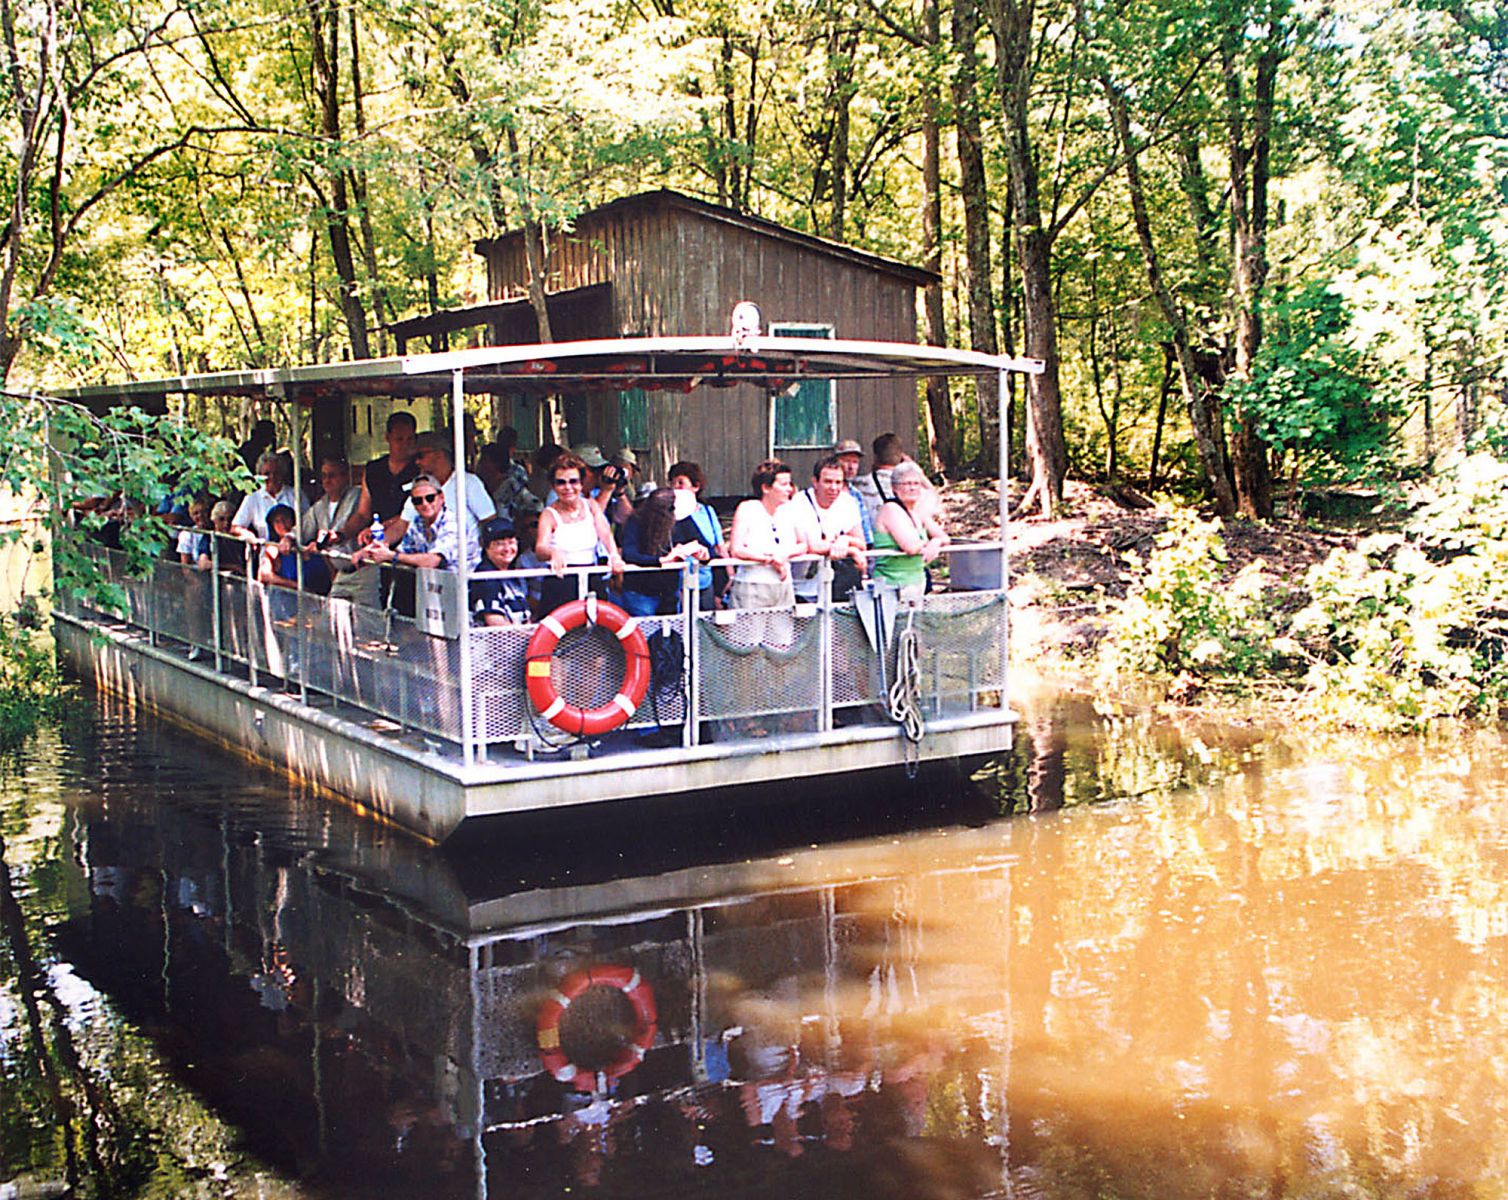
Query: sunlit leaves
pixel 1315 397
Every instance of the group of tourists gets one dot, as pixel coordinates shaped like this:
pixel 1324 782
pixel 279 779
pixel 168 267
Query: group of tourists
pixel 562 511
pixel 843 517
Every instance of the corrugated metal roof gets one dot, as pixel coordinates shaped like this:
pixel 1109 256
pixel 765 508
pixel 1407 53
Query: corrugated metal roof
pixel 678 364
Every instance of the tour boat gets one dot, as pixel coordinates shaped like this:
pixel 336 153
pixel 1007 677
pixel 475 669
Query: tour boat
pixel 430 721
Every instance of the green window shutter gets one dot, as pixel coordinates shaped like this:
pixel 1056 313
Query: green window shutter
pixel 633 419
pixel 805 419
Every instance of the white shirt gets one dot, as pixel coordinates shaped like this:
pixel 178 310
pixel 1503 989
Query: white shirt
pixel 479 506
pixel 874 488
pixel 254 509
pixel 193 542
pixel 815 522
pixel 767 534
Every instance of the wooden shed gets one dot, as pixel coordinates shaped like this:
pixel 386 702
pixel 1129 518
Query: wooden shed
pixel 664 264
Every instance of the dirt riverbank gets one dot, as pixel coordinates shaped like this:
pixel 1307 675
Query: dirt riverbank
pixel 1061 568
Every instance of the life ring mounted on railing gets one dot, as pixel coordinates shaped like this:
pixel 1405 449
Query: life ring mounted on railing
pixel 632 985
pixel 541 686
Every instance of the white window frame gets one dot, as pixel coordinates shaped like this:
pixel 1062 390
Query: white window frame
pixel 798 328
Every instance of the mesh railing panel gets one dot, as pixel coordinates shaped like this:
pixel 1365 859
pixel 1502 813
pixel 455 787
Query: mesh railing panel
pixel 961 639
pixel 235 630
pixel 856 671
pixel 754 664
pixel 758 662
pixel 585 677
pixel 588 667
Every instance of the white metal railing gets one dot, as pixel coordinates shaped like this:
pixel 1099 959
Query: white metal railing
pixel 741 674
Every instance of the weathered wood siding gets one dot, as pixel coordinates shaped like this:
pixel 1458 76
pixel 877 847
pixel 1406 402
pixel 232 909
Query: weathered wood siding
pixel 677 270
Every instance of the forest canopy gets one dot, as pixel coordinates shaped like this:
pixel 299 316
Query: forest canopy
pixel 1259 243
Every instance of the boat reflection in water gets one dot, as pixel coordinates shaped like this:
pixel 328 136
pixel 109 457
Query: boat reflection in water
pixel 1286 980
pixel 378 1015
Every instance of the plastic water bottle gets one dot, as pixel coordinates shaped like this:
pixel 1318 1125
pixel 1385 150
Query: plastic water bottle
pixel 378 537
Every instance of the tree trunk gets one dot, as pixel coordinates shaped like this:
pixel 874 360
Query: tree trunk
pixel 1169 373
pixel 481 153
pixel 726 173
pixel 1109 415
pixel 360 192
pixel 535 252
pixel 1206 433
pixel 1012 24
pixel 751 128
pixel 939 398
pixel 324 40
pixel 1249 174
pixel 437 341
pixel 1010 322
pixel 974 192
pixel 842 54
pixel 1045 449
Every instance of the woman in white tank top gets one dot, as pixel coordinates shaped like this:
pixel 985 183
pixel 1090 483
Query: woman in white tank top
pixel 570 530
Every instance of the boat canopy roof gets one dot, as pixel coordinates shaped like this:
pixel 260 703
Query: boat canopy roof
pixel 617 364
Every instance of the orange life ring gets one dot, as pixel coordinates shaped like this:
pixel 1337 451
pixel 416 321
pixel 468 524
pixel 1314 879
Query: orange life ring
pixel 542 692
pixel 626 980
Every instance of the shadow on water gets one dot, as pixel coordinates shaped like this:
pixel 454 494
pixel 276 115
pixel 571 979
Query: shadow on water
pixel 1130 959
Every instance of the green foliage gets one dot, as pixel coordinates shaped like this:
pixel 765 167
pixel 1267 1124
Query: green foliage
pixel 177 208
pixel 1312 393
pixel 32 689
pixel 81 463
pixel 1177 618
pixel 1410 628
pixel 77 464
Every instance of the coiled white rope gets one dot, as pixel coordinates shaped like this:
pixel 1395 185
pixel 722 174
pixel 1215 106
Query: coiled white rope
pixel 905 709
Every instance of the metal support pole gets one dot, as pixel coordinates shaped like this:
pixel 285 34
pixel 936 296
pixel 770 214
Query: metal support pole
pixel 825 645
pixel 1002 402
pixel 691 599
pixel 463 564
pixel 214 599
pixel 251 615
pixel 298 552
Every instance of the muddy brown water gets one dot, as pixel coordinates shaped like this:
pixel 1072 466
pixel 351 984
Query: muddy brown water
pixel 1131 959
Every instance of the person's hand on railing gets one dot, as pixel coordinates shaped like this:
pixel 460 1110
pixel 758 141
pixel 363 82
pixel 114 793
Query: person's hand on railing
pixel 375 552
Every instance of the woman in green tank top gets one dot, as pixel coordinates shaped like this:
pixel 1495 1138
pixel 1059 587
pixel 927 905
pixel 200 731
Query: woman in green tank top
pixel 899 525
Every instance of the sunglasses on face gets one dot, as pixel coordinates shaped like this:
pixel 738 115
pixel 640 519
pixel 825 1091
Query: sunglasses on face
pixel 426 498
pixel 573 481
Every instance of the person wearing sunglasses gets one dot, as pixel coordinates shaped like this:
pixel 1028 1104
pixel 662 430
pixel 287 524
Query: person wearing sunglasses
pixel 432 540
pixel 572 533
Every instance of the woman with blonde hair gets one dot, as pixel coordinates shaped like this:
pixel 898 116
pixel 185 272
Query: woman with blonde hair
pixel 904 523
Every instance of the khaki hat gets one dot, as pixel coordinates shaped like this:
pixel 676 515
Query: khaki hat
pixel 436 439
pixel 626 458
pixel 591 454
pixel 849 446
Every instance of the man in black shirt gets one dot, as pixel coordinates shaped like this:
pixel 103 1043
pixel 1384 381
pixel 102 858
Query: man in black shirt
pixel 384 489
pixel 384 483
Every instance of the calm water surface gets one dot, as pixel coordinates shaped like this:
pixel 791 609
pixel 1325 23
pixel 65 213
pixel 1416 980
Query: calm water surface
pixel 1132 961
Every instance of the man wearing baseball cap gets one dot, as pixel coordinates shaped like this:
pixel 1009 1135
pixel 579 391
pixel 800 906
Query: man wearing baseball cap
pixel 850 454
pixel 434 539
